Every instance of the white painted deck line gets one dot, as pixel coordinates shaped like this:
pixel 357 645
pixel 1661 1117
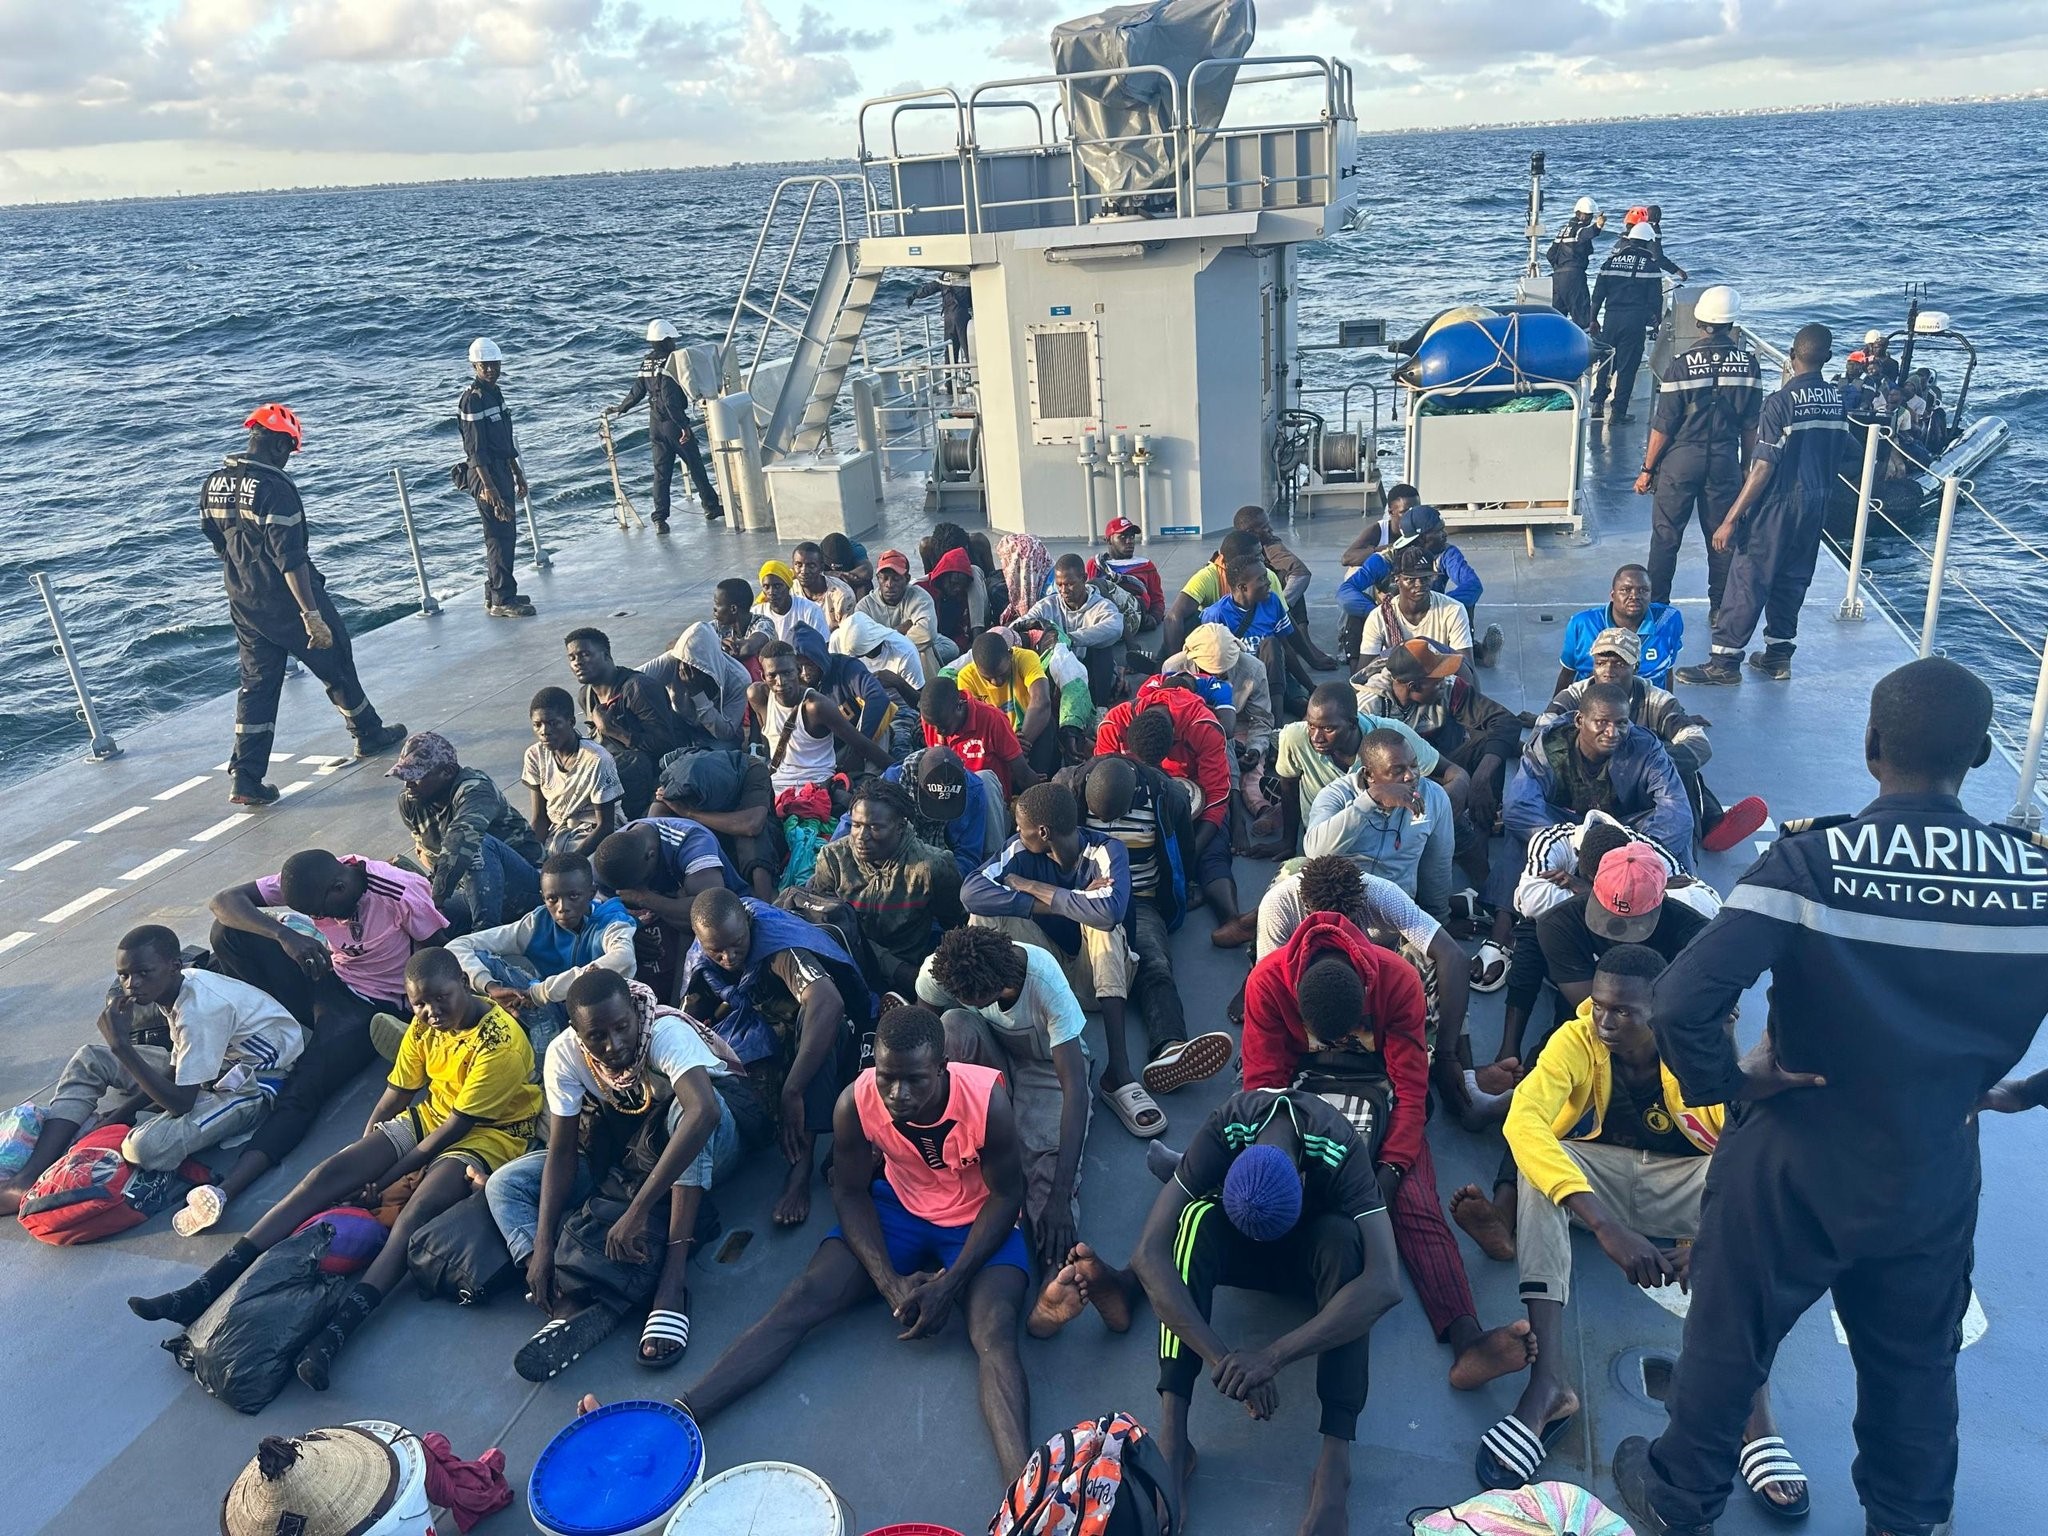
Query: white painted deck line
pixel 221 826
pixel 19 936
pixel 319 760
pixel 77 905
pixel 1975 1323
pixel 295 786
pixel 117 818
pixel 330 768
pixel 151 866
pixel 46 855
pixel 178 789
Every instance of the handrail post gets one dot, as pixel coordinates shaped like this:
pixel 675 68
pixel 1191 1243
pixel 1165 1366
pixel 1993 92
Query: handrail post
pixel 540 556
pixel 428 607
pixel 2026 811
pixel 1852 600
pixel 103 746
pixel 1949 487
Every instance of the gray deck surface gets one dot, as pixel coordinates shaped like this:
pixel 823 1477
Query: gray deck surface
pixel 111 1436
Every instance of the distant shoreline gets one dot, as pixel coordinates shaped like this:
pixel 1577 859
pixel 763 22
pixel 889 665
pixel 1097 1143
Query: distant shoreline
pixel 846 163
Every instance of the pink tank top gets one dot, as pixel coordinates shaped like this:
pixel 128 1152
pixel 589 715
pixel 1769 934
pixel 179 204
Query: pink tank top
pixel 934 1169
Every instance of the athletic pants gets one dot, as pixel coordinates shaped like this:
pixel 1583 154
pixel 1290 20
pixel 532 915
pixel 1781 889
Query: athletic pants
pixel 1787 1219
pixel 1776 547
pixel 1692 484
pixel 337 1025
pixel 1321 1255
pixel 265 643
pixel 665 455
pixel 1428 1251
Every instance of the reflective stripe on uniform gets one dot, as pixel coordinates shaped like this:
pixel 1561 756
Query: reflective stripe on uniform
pixel 256 728
pixel 1876 928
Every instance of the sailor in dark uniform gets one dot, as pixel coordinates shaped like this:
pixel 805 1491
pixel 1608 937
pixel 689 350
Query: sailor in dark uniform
pixel 1628 298
pixel 668 425
pixel 1570 256
pixel 1772 530
pixel 956 310
pixel 492 475
pixel 1701 432
pixel 1908 952
pixel 252 516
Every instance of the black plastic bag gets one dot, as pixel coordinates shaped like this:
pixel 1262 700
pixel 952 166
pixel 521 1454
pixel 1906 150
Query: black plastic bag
pixel 582 1268
pixel 460 1255
pixel 246 1346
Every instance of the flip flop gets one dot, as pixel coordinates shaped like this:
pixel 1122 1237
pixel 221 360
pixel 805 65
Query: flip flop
pixel 663 1327
pixel 1765 1464
pixel 203 1207
pixel 1192 1061
pixel 1131 1101
pixel 1736 823
pixel 562 1341
pixel 1511 1452
pixel 1489 954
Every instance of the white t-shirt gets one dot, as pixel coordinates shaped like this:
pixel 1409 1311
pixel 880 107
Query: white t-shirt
pixel 1445 622
pixel 801 611
pixel 218 1022
pixel 673 1048
pixel 573 794
pixel 899 656
pixel 1045 1003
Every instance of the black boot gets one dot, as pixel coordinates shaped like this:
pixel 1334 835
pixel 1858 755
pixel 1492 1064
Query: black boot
pixel 187 1303
pixel 1632 1480
pixel 1774 660
pixel 1717 670
pixel 318 1356
pixel 379 739
pixel 254 794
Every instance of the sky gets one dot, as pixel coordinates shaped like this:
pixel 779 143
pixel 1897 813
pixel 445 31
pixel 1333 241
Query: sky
pixel 118 98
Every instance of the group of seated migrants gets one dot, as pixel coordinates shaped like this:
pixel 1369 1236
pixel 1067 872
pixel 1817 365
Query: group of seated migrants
pixel 856 857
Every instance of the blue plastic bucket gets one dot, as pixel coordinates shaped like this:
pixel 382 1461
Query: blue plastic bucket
pixel 620 1470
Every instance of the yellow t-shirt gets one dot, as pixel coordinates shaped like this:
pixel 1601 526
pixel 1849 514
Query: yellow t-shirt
pixel 1206 585
pixel 1026 669
pixel 484 1072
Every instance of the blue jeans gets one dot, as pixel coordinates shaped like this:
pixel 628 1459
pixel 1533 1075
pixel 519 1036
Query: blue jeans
pixel 542 1021
pixel 497 886
pixel 513 1192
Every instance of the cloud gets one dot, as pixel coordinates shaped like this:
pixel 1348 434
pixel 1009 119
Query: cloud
pixel 769 71
pixel 816 33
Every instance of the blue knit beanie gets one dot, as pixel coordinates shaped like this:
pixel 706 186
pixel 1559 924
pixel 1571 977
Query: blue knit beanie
pixel 1262 1193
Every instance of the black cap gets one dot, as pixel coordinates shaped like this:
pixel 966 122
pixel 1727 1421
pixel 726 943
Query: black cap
pixel 937 782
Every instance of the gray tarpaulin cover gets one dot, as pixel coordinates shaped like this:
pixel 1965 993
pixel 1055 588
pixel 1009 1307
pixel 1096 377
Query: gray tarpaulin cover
pixel 1175 35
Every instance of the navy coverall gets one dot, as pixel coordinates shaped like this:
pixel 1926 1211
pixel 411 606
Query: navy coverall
pixel 1802 433
pixel 1570 255
pixel 668 430
pixel 488 448
pixel 1908 952
pixel 253 518
pixel 1630 295
pixel 1707 407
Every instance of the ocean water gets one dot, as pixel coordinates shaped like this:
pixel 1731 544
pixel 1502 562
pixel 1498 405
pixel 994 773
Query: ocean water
pixel 134 337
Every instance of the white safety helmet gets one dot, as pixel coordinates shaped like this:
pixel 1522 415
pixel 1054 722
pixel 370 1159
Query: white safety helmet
pixel 660 330
pixel 1640 232
pixel 1587 206
pixel 484 350
pixel 1873 338
pixel 1718 305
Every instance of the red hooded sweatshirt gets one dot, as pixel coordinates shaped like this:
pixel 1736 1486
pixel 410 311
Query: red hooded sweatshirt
pixel 1389 1037
pixel 1199 752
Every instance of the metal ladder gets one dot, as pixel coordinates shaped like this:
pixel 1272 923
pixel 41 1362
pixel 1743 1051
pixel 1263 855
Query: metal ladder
pixel 828 334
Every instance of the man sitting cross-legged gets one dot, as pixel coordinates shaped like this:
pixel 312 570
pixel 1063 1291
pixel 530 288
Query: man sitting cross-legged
pixel 1603 1138
pixel 230 1047
pixel 624 1058
pixel 904 892
pixel 791 1003
pixel 936 1229
pixel 1277 1193
pixel 476 1114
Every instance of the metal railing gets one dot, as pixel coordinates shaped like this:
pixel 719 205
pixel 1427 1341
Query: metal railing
pixel 2023 752
pixel 771 318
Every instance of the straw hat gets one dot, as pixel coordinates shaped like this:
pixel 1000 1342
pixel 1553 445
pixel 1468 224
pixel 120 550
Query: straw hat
pixel 327 1482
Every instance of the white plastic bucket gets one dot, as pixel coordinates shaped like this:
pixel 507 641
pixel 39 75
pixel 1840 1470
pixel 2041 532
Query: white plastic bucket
pixel 762 1498
pixel 410 1513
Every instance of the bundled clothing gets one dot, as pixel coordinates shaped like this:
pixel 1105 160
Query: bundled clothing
pixel 1138 576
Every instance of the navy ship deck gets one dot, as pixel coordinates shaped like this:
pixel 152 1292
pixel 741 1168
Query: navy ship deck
pixel 116 1438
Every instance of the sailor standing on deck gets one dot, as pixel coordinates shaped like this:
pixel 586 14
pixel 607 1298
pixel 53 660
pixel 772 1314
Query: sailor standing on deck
pixel 253 518
pixel 1772 531
pixel 492 475
pixel 1630 294
pixel 1701 433
pixel 1570 255
pixel 668 424
pixel 1908 952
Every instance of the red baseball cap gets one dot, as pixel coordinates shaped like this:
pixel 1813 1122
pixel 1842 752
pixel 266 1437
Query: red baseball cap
pixel 893 560
pixel 1627 893
pixel 1118 526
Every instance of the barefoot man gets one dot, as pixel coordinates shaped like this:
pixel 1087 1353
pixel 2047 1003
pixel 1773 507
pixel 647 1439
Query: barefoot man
pixel 1276 1194
pixel 928 1184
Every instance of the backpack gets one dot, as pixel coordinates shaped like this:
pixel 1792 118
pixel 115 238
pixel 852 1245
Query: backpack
pixel 460 1255
pixel 93 1192
pixel 1072 1485
pixel 1123 600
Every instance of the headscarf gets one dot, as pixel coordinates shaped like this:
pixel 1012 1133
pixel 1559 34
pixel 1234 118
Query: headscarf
pixel 859 635
pixel 1213 648
pixel 777 568
pixel 1025 565
pixel 629 1089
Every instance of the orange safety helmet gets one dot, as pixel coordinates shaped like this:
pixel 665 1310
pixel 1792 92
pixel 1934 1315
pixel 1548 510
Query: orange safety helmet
pixel 1636 215
pixel 278 418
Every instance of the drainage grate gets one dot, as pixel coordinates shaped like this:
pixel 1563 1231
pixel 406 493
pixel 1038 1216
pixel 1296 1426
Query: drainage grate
pixel 1657 1376
pixel 734 1245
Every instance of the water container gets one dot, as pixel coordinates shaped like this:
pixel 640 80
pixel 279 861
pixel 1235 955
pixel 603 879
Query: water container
pixel 409 1512
pixel 619 1470
pixel 762 1498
